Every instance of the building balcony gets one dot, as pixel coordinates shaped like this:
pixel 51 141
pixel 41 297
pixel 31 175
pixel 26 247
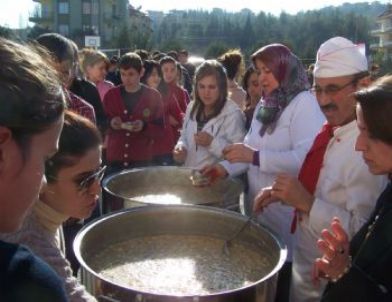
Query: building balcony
pixel 381 31
pixel 111 17
pixel 384 44
pixel 374 46
pixel 37 17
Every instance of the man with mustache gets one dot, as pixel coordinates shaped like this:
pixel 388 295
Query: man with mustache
pixel 334 180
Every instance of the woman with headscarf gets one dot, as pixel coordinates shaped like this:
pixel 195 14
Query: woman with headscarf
pixel 284 125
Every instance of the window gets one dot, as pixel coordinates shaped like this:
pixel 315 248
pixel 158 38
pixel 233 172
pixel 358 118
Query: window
pixel 95 30
pixel 63 8
pixel 86 8
pixel 95 8
pixel 64 29
pixel 90 29
pixel 45 11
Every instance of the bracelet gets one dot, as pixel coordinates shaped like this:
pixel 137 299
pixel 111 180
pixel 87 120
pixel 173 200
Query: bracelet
pixel 256 158
pixel 345 271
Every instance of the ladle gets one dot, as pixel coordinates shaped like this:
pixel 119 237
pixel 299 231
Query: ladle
pixel 229 241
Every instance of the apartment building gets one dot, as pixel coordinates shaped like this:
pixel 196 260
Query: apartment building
pixel 384 33
pixel 79 18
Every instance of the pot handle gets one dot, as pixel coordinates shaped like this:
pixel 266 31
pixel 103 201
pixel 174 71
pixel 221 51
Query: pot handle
pixel 102 298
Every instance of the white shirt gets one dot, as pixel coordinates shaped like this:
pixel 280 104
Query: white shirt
pixel 283 150
pixel 228 127
pixel 345 189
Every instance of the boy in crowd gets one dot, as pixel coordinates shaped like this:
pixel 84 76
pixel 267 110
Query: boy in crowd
pixel 135 113
pixel 183 59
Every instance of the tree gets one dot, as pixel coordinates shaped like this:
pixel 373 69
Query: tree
pixel 248 36
pixel 215 49
pixel 123 40
pixel 211 31
pixel 6 32
pixel 36 31
pixel 172 44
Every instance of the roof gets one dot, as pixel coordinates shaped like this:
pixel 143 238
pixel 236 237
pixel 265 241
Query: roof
pixel 387 12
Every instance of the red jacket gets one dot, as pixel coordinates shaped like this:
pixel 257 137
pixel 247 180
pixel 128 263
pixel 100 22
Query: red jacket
pixel 127 147
pixel 181 95
pixel 165 145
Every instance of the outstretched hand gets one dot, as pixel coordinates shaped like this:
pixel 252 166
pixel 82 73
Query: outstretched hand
pixel 179 154
pixel 238 153
pixel 263 199
pixel 336 259
pixel 214 172
pixel 289 190
pixel 203 139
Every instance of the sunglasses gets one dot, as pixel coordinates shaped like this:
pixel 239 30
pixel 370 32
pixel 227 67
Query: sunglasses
pixel 89 180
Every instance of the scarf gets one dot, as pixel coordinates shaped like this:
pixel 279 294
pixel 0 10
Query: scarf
pixel 292 79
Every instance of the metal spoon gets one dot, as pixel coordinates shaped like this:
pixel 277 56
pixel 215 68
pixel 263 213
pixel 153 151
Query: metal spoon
pixel 229 241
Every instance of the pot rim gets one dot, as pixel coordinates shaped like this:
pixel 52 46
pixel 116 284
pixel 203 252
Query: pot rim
pixel 81 234
pixel 108 179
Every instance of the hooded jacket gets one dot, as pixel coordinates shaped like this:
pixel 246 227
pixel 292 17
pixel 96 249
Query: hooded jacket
pixel 228 127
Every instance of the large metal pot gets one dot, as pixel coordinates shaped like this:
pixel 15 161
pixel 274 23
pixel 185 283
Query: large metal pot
pixel 175 220
pixel 127 185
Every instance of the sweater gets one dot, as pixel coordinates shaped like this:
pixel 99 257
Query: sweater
pixel 129 147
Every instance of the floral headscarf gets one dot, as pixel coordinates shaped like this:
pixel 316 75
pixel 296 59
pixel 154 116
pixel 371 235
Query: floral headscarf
pixel 291 76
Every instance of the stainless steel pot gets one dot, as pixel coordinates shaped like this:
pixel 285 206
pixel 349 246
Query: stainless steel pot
pixel 127 185
pixel 175 220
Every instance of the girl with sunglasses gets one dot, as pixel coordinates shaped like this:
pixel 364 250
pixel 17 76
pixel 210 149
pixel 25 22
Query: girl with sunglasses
pixel 73 186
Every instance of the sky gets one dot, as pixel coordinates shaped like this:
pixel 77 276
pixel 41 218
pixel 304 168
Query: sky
pixel 14 13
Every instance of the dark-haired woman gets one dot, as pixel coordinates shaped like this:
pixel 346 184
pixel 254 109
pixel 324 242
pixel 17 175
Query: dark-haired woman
pixel 31 118
pixel 169 76
pixel 211 122
pixel 360 270
pixel 73 175
pixel 163 146
pixel 252 86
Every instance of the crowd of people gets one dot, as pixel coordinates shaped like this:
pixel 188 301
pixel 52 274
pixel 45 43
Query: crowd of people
pixel 316 156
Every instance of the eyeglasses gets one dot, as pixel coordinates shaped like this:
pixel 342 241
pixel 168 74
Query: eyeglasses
pixel 88 181
pixel 330 90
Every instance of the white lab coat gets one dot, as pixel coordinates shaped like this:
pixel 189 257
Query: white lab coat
pixel 228 127
pixel 283 150
pixel 345 189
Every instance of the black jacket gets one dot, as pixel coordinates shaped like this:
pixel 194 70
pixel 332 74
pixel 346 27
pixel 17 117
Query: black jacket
pixel 370 277
pixel 87 91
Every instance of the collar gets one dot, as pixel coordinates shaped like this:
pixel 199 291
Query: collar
pixel 345 130
pixel 232 84
pixel 49 217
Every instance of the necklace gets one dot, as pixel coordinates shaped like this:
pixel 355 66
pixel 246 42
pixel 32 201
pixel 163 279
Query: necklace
pixel 370 230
